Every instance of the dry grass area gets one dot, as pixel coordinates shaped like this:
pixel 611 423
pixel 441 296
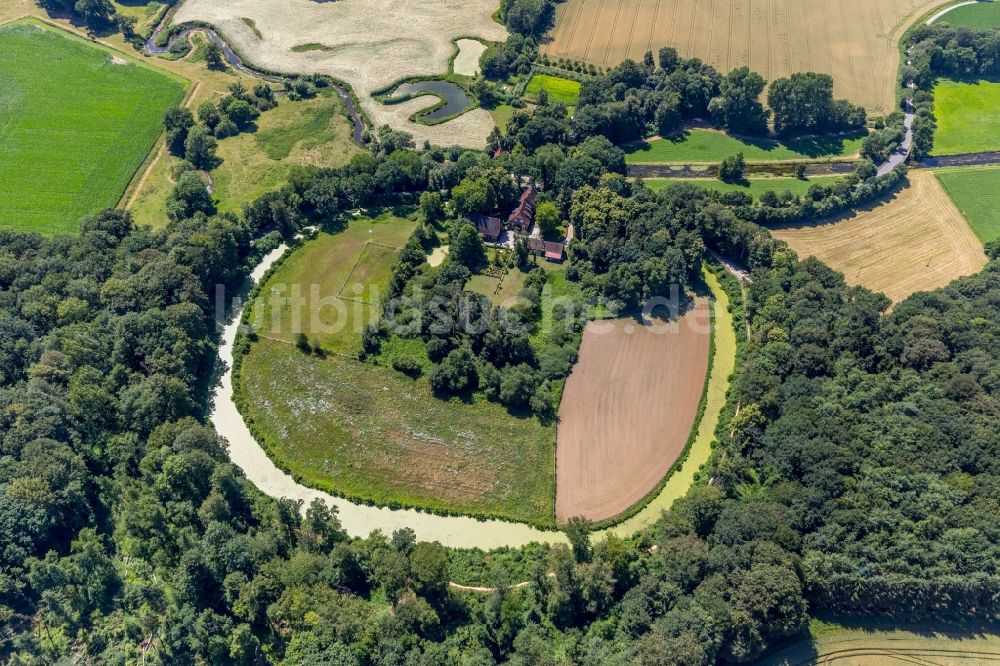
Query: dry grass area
pixel 369 44
pixel 627 411
pixel 853 40
pixel 467 60
pixel 917 241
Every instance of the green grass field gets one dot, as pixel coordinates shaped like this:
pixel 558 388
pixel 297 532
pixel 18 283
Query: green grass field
pixel 694 146
pixel 968 117
pixel 371 433
pixel 755 188
pixel 559 89
pixel 146 14
pixel 976 193
pixel 309 132
pixel 329 288
pixel 979 16
pixel 76 122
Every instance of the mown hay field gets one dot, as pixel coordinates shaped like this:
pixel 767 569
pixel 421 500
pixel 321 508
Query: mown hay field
pixel 701 146
pixel 916 241
pixel 976 192
pixel 331 287
pixel 369 44
pixel 371 433
pixel 77 120
pixel 852 40
pixel 968 117
pixel 627 410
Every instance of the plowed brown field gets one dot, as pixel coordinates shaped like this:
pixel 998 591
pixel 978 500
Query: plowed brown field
pixel 853 40
pixel 916 242
pixel 627 411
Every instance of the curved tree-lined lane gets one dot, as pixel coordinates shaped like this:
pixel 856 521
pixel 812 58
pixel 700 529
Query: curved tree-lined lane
pixel 455 531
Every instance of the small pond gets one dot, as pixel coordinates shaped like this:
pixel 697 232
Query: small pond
pixel 455 99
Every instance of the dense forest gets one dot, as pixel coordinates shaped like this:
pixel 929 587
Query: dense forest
pixel 855 469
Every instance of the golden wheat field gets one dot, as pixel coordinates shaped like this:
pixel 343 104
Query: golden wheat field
pixel 916 241
pixel 852 40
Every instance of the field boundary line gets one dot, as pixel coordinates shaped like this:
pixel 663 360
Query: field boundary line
pixel 354 267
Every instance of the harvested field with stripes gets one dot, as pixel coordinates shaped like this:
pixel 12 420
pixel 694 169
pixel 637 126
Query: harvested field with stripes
pixel 916 241
pixel 852 40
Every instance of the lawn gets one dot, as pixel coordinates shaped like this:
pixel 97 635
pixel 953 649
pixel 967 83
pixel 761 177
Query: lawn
pixel 754 188
pixel 311 132
pixel 976 193
pixel 694 146
pixel 968 116
pixel 370 433
pixel 77 121
pixel 559 89
pixel 979 16
pixel 330 287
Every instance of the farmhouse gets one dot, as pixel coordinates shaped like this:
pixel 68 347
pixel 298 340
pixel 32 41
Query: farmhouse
pixel 488 227
pixel 523 216
pixel 551 250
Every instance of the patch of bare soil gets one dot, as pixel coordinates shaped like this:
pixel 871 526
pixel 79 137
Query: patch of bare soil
pixel 627 411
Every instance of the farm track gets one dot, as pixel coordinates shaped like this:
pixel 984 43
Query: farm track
pixel 237 63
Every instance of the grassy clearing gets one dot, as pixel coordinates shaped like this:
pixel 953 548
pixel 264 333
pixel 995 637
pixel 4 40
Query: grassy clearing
pixel 559 89
pixel 371 433
pixel 968 117
pixel 502 115
pixel 305 133
pixel 76 122
pixel 329 289
pixel 976 193
pixel 146 14
pixel 755 188
pixel 979 16
pixel 694 146
pixel 311 46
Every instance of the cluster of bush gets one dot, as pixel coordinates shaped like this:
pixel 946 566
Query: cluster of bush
pixel 657 95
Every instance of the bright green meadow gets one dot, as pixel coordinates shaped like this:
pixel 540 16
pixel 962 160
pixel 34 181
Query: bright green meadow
pixel 559 89
pixel 968 115
pixel 76 122
pixel 699 145
pixel 755 188
pixel 976 193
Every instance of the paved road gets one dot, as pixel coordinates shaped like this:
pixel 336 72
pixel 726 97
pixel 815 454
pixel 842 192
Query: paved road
pixel 237 63
pixel 902 153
